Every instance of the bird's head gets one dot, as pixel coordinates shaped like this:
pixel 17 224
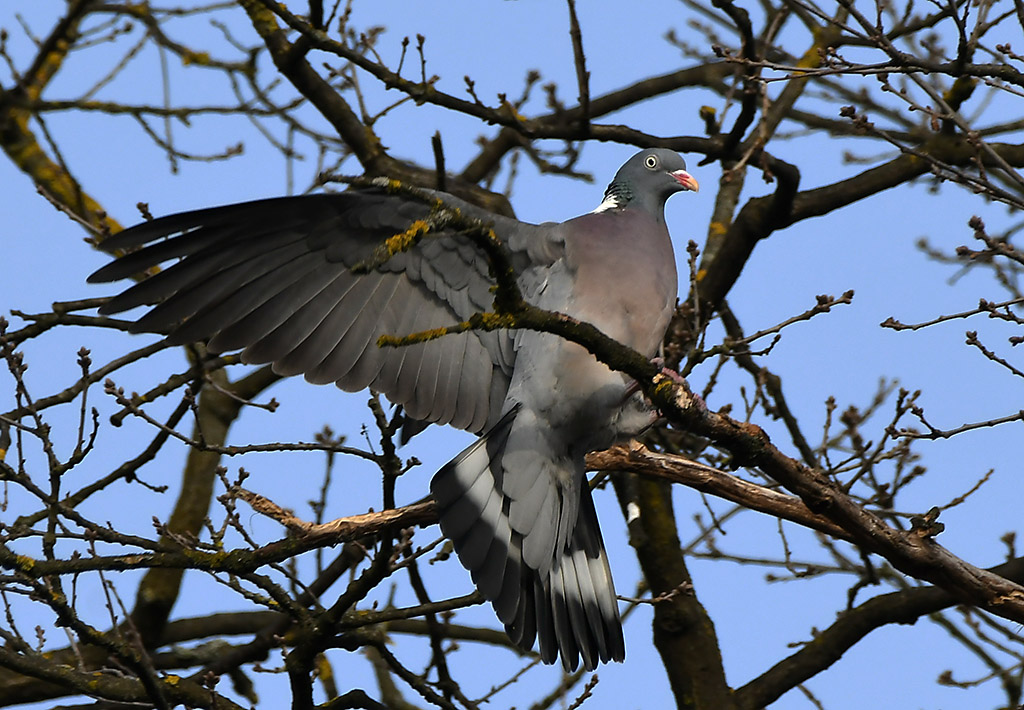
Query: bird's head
pixel 647 180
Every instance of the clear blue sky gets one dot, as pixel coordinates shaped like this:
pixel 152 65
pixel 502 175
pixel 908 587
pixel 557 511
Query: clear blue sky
pixel 868 247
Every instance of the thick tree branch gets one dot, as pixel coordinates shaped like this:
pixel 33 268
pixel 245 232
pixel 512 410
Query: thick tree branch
pixel 828 645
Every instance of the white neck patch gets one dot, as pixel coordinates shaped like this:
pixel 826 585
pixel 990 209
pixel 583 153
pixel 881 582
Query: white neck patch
pixel 610 202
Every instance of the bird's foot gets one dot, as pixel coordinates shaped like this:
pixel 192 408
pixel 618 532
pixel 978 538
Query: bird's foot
pixel 668 371
pixel 633 387
pixel 685 398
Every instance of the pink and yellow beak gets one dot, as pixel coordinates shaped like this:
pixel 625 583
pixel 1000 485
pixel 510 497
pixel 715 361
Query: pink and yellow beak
pixel 686 180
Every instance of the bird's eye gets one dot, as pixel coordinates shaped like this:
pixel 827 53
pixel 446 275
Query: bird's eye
pixel 651 162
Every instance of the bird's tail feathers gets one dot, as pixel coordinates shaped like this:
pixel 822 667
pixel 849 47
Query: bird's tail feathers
pixel 473 513
pixel 570 606
pixel 577 609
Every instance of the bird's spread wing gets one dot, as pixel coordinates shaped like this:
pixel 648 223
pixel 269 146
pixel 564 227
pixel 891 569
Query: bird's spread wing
pixel 273 278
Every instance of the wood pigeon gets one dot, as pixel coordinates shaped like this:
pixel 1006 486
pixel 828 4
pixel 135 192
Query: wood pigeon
pixel 274 278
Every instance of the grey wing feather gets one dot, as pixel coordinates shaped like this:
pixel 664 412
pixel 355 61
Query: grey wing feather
pixel 296 325
pixel 281 300
pixel 273 277
pixel 422 379
pixel 205 276
pixel 281 269
pixel 330 315
pixel 346 343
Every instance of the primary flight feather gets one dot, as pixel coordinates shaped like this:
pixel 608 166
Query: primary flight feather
pixel 274 278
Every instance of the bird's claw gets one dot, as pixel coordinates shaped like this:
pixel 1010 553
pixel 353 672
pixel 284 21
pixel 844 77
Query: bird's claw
pixel 633 387
pixel 668 371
